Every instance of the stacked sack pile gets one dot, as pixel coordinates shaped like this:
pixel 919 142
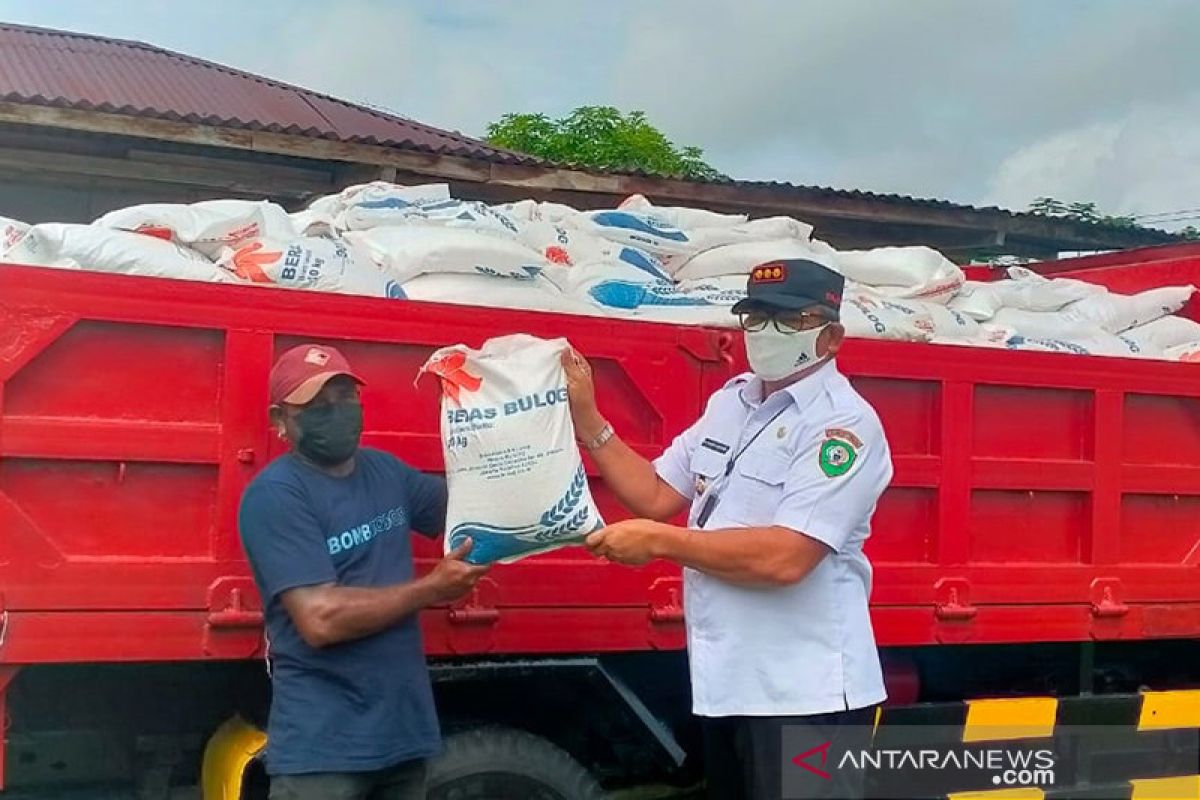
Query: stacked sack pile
pixel 637 261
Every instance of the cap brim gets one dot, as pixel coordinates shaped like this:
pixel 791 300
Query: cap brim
pixel 305 392
pixel 788 302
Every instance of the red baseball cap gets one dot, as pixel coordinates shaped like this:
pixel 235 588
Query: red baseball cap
pixel 299 374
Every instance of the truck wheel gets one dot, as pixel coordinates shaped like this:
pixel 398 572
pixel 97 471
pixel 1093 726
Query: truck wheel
pixel 508 764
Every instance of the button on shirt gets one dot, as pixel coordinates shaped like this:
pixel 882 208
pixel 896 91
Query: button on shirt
pixel 818 468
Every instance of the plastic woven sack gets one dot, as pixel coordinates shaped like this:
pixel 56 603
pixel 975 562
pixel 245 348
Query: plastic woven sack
pixel 516 480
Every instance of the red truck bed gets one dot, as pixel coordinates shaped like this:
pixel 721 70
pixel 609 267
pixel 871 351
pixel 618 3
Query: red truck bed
pixel 1037 497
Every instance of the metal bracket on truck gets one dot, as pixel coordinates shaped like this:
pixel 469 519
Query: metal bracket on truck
pixel 592 670
pixel 233 628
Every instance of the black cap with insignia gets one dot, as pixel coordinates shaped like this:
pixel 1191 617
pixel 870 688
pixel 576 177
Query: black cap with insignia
pixel 793 284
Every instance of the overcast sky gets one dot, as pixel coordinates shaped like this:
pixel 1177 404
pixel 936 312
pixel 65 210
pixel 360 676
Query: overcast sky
pixel 979 102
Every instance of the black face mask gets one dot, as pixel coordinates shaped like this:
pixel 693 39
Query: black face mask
pixel 329 433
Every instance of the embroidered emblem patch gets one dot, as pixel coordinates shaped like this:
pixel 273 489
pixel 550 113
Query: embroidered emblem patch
pixel 837 456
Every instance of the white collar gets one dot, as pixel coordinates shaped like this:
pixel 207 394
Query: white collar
pixel 802 392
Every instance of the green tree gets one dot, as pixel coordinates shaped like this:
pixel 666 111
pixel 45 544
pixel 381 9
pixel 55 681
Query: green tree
pixel 1080 212
pixel 1048 207
pixel 1083 212
pixel 1120 222
pixel 600 137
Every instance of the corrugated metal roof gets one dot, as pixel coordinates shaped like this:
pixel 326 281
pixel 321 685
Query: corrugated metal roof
pixel 94 73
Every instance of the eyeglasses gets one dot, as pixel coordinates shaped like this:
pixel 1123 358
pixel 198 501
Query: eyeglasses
pixel 786 322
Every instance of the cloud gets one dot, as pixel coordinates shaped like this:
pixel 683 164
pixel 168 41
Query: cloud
pixel 1142 163
pixel 920 97
pixel 456 65
pixel 937 98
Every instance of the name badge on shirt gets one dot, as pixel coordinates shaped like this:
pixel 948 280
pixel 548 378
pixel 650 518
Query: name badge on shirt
pixel 715 446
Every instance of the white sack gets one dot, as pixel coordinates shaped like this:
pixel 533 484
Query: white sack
pixel 316 263
pixel 313 223
pixel 382 204
pixel 1118 312
pixel 1096 343
pixel 11 232
pixel 516 481
pixel 88 247
pixel 977 300
pixel 689 303
pixel 1164 333
pixel 621 290
pixel 947 323
pixel 208 226
pixel 538 294
pixel 740 259
pixel 680 216
pixel 1189 351
pixel 521 211
pixel 867 316
pixel 1033 292
pixel 409 251
pixel 1044 324
pixel 568 247
pixel 379 200
pixel 918 272
pixel 1025 290
pixel 469 215
pixel 771 228
pixel 534 211
pixel 674 246
pixel 987 336
pixel 669 244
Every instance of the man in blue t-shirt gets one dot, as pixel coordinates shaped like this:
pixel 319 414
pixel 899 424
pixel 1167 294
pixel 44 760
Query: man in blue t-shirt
pixel 326 529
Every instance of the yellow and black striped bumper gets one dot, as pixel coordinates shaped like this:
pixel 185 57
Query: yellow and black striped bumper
pixel 1140 720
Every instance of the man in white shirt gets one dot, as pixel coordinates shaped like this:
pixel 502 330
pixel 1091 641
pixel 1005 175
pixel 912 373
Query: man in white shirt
pixel 781 474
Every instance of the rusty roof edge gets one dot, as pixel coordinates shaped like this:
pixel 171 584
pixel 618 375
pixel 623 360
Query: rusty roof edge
pixel 889 198
pixel 274 83
pixel 95 37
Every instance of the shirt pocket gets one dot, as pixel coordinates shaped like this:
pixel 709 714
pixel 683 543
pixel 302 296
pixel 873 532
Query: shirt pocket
pixel 707 465
pixel 757 490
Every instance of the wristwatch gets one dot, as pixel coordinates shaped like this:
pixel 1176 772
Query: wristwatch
pixel 600 439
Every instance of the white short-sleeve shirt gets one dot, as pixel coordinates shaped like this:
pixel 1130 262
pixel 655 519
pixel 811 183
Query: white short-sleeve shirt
pixel 817 467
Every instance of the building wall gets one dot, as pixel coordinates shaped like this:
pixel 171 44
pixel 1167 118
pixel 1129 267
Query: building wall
pixel 80 201
pixel 48 174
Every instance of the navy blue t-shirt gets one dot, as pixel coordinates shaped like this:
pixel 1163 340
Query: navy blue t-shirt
pixel 365 704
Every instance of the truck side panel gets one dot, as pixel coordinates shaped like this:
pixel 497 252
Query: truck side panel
pixel 1037 497
pixel 135 413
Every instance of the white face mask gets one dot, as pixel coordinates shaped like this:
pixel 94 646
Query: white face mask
pixel 774 356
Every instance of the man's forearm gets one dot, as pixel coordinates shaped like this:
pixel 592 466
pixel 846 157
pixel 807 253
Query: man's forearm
pixel 346 613
pixel 756 557
pixel 630 476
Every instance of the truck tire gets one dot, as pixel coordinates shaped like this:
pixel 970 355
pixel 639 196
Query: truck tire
pixel 505 764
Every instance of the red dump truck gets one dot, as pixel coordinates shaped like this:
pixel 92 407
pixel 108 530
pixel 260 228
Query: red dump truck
pixel 1036 556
